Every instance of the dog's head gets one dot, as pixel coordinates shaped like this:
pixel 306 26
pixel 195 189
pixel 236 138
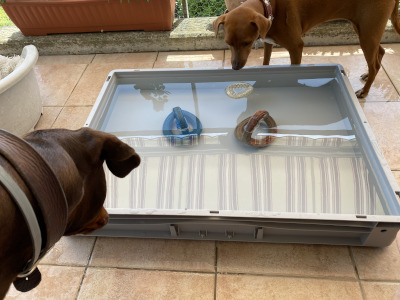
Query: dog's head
pixel 77 157
pixel 242 27
pixel 89 214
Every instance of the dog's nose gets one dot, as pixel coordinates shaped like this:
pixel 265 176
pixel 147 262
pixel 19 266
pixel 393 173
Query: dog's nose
pixel 236 66
pixel 103 220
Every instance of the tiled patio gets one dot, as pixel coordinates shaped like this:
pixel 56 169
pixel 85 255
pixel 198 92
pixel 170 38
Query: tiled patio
pixel 116 268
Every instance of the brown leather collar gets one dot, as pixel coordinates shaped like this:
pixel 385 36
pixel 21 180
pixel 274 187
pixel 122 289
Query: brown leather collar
pixel 46 189
pixel 267 9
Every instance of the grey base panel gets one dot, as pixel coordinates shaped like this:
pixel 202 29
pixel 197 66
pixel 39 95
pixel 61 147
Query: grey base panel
pixel 373 234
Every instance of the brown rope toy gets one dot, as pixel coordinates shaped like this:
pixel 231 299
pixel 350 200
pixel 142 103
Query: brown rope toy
pixel 244 129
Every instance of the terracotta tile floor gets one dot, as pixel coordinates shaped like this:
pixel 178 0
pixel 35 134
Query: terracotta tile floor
pixel 118 268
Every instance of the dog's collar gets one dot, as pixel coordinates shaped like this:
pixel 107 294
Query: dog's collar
pixel 50 197
pixel 268 14
pixel 267 9
pixel 29 215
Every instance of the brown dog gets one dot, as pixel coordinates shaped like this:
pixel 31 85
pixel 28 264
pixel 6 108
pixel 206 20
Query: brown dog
pixel 291 19
pixel 76 159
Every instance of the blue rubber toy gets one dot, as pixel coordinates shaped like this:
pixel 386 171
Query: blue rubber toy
pixel 183 121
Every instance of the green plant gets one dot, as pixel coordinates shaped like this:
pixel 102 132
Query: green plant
pixel 4 19
pixel 201 8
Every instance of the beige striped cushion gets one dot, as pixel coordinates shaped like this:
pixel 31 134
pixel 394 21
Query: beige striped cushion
pixel 295 174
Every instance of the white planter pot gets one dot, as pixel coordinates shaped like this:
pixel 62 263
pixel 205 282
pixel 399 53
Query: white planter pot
pixel 20 102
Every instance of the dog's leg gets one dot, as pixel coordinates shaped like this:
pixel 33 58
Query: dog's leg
pixel 380 56
pixel 296 52
pixel 373 54
pixel 267 53
pixel 381 52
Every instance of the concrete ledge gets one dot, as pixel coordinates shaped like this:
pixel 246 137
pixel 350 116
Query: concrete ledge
pixel 186 35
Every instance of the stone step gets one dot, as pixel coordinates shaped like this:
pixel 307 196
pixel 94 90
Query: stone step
pixel 186 35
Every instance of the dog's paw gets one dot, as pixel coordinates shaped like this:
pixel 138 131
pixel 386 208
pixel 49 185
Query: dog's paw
pixel 364 76
pixel 360 93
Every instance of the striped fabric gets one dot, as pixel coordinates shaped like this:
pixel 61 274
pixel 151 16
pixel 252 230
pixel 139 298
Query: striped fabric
pixel 294 174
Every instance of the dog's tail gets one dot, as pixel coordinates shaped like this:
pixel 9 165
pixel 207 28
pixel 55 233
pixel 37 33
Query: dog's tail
pixel 395 17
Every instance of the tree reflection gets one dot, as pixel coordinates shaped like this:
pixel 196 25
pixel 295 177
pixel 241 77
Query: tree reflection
pixel 155 92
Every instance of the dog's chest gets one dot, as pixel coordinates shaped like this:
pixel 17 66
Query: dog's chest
pixel 268 41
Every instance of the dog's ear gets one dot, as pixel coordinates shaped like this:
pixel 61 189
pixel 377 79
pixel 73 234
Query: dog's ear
pixel 263 24
pixel 217 22
pixel 120 158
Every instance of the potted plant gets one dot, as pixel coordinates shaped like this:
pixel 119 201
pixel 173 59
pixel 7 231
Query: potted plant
pixel 41 17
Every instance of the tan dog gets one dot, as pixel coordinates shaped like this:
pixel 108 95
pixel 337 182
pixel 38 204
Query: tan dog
pixel 76 159
pixel 293 18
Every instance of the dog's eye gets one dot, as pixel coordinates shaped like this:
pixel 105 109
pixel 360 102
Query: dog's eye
pixel 247 43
